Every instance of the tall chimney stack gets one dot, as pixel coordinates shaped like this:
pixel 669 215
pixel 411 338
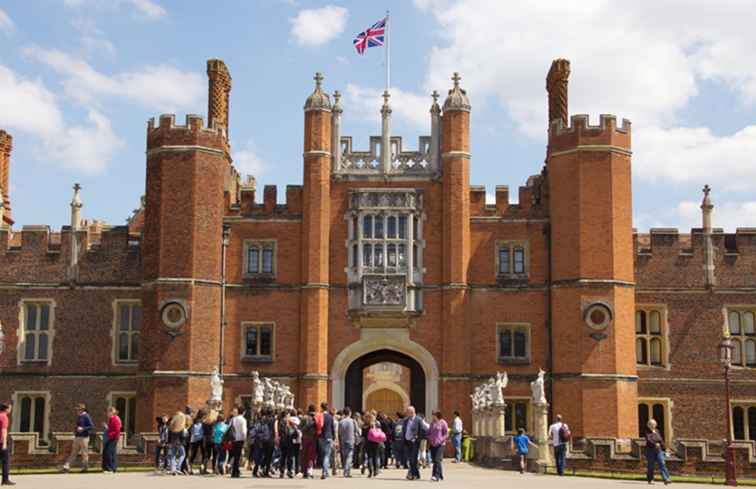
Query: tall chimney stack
pixel 6 145
pixel 556 86
pixel 219 90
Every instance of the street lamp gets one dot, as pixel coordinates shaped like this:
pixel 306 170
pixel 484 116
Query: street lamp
pixel 725 355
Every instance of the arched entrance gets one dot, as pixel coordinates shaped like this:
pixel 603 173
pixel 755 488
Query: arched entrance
pixel 392 339
pixel 354 387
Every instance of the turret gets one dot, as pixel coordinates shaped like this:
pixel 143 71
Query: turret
pixel 187 167
pixel 316 195
pixel 706 210
pixel 593 298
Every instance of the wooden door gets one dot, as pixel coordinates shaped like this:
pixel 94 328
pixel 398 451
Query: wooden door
pixel 385 401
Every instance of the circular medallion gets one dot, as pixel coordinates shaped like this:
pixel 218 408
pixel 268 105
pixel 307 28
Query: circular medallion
pixel 598 316
pixel 174 315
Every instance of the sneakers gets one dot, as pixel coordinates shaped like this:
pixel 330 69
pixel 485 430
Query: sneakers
pixel 8 483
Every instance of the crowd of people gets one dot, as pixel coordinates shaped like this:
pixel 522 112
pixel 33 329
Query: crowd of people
pixel 291 443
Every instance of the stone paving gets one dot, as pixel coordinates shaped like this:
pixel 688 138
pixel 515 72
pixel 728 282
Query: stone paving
pixel 457 476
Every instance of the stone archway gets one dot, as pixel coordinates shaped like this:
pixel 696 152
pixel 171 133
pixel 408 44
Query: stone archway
pixel 392 340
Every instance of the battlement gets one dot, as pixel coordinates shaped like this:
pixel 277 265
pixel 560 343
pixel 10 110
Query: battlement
pixel 581 133
pixel 269 207
pixel 529 200
pixel 669 241
pixel 36 254
pixel 420 162
pixel 192 133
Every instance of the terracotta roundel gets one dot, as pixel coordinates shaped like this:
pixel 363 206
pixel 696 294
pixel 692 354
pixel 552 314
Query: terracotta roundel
pixel 598 316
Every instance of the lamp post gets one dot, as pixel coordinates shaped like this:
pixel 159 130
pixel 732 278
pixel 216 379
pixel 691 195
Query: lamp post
pixel 725 351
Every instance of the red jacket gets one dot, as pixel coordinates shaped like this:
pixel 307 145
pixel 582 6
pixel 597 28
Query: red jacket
pixel 114 427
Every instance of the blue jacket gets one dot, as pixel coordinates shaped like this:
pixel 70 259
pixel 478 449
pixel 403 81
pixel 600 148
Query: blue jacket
pixel 85 422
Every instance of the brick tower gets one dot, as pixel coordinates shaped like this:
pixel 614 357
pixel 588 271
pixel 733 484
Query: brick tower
pixel 315 246
pixel 6 146
pixel 455 160
pixel 186 170
pixel 592 294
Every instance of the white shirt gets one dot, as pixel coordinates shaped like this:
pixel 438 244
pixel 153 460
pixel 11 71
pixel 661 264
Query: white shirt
pixel 554 433
pixel 240 427
pixel 457 425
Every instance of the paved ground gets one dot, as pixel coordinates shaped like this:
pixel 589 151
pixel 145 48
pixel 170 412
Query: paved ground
pixel 457 476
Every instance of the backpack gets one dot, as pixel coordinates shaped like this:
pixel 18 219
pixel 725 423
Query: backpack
pixel 309 428
pixel 422 430
pixel 265 434
pixel 229 436
pixel 565 434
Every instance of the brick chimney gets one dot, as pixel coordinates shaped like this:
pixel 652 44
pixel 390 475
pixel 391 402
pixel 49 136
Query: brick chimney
pixel 556 86
pixel 6 145
pixel 219 90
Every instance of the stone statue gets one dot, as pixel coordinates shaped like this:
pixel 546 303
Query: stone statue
pixel 476 398
pixel 216 386
pixel 501 383
pixel 277 395
pixel 488 393
pixel 268 392
pixel 287 397
pixel 258 389
pixel 536 387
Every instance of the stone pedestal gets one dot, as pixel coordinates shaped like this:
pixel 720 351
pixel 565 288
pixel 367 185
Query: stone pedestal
pixel 214 404
pixel 498 420
pixel 541 429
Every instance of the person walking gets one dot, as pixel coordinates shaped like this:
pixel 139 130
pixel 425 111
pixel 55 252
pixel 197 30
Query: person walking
pixel 414 430
pixel 375 439
pixel 348 432
pixel 325 439
pixel 559 435
pixel 456 437
pixel 397 447
pixel 287 434
pixel 521 444
pixel 655 451
pixel 196 441
pixel 309 442
pixel 438 435
pixel 162 445
pixel 80 447
pixel 176 435
pixel 5 411
pixel 239 427
pixel 208 426
pixel 296 446
pixel 110 441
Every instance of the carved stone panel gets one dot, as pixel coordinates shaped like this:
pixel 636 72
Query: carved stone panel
pixel 384 290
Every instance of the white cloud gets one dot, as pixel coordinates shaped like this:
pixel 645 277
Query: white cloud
pixel 93 40
pixel 147 9
pixel 163 88
pixel 6 24
pixel 314 27
pixel 248 161
pixel 366 103
pixel 29 107
pixel 726 215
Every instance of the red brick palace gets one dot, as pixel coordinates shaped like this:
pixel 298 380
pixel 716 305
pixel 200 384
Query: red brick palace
pixel 383 254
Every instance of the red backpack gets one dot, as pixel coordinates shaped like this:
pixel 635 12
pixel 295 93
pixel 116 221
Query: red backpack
pixel 565 435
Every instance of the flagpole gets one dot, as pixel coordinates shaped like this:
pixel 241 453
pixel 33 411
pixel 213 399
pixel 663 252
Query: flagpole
pixel 388 53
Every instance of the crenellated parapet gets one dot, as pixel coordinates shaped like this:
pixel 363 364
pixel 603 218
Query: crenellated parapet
pixel 169 136
pixel 269 208
pixel 403 162
pixel 36 254
pixel 670 242
pixel 581 135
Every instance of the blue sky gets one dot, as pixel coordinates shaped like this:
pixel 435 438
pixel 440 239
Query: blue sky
pixel 80 78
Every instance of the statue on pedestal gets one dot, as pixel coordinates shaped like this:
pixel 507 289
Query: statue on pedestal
pixel 501 383
pixel 258 390
pixel 537 389
pixel 216 386
pixel 268 393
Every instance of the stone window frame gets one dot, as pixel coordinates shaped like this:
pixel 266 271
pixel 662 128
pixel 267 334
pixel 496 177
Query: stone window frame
pixel 667 404
pixel 261 244
pixel 514 360
pixel 528 413
pixel 21 359
pixel 742 339
pixel 512 245
pixel 115 331
pixel 245 325
pixel 648 338
pixel 745 405
pixel 126 395
pixel 17 397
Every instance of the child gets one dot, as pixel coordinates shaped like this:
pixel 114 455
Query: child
pixel 520 442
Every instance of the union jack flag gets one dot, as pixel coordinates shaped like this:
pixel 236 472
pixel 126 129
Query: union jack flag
pixel 370 37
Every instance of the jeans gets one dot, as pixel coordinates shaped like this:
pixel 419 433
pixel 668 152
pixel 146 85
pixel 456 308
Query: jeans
pixel 437 455
pixel 398 450
pixel 236 450
pixel 287 459
pixel 413 450
pixel 560 452
pixel 373 457
pixel 655 457
pixel 5 457
pixel 347 452
pixel 110 456
pixel 219 456
pixel 160 450
pixel 326 446
pixel 457 444
pixel 176 455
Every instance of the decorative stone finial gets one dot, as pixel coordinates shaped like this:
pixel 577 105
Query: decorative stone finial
pixel 76 206
pixel 435 96
pixel 337 101
pixel 318 100
pixel 457 98
pixel 435 109
pixel 706 191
